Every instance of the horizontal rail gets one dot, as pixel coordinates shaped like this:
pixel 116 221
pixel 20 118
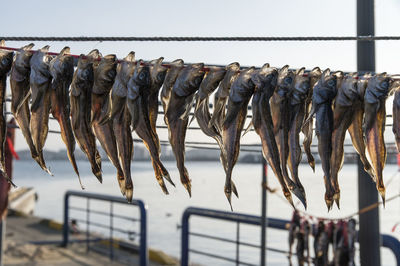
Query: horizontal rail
pixel 388 241
pixel 220 257
pixel 143 254
pixel 100 225
pixel 105 213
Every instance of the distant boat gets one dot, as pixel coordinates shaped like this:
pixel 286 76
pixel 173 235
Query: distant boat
pixel 22 200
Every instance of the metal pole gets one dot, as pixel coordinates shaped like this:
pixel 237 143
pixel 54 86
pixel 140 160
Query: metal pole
pixel 369 236
pixel 2 240
pixel 263 211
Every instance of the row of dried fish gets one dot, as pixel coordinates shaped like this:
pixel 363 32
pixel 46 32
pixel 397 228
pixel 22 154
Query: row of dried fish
pixel 108 99
pixel 341 236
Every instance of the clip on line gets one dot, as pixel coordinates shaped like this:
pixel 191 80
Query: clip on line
pixel 206 69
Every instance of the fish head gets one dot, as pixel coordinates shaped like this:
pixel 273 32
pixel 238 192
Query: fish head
pixel 189 80
pixel 285 81
pixel 265 79
pixel 232 72
pixel 6 59
pixel 125 69
pixel 243 87
pixel 141 75
pixel 301 87
pixel 211 81
pixel 172 73
pixel 40 61
pixel 22 59
pixel 378 87
pixel 104 74
pixel 362 84
pixel 347 92
pixel 157 72
pixel 325 89
pixel 62 66
pixel 84 76
pixel 315 75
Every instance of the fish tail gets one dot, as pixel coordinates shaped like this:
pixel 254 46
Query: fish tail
pixel 80 182
pixel 165 174
pixel 128 188
pixel 329 193
pixel 42 163
pixel 186 182
pixel 234 189
pixel 229 187
pixel 6 177
pixel 382 192
pixel 121 182
pixel 159 178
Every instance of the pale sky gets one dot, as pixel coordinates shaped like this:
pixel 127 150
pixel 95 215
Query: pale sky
pixel 207 18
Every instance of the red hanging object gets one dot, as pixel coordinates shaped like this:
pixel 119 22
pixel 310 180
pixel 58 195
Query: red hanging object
pixel 11 147
pixel 398 162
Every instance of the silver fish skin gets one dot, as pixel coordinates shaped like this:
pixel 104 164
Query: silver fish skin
pixel 20 94
pixel 104 76
pixel 265 80
pixel 297 110
pixel 40 82
pixel 307 128
pixel 240 93
pixel 222 95
pixel 280 103
pixel 81 100
pixel 121 120
pixel 169 81
pixel 323 95
pixel 344 108
pixel 179 105
pixel 396 117
pixel 378 89
pixel 202 111
pixel 138 106
pixel 62 71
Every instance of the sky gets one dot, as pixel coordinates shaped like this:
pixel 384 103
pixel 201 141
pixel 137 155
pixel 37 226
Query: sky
pixel 207 18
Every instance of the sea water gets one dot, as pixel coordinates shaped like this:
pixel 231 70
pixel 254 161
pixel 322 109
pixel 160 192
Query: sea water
pixel 165 211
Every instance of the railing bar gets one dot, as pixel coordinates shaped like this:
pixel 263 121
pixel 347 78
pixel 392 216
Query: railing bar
pixel 105 213
pixel 107 226
pixel 87 224
pixel 219 257
pixel 111 232
pixel 237 242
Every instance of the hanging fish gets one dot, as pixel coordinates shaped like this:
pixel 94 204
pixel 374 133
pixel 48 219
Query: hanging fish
pixel 352 238
pixel 169 81
pixel 297 110
pixel 138 106
pixel 343 111
pixel 307 128
pixel 377 91
pixel 20 94
pixel 202 112
pixel 293 229
pixel 104 76
pixel 179 105
pixel 222 94
pixel 121 121
pixel 62 71
pixel 6 59
pixel 356 128
pixel 396 117
pixel 265 81
pixel 307 231
pixel 281 120
pixel 241 91
pixel 323 95
pixel 81 100
pixel 40 82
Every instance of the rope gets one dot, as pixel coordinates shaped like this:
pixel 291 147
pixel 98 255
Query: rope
pixel 200 39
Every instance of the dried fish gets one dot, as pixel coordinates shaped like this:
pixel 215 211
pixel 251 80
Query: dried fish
pixel 377 91
pixel 323 95
pixel 81 100
pixel 241 91
pixel 62 71
pixel 265 81
pixel 20 94
pixel 279 103
pixel 177 115
pixel 121 120
pixel 40 82
pixel 138 106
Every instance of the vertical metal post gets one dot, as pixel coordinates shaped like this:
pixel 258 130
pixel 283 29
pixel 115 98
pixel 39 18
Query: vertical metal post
pixel 144 258
pixel 66 218
pixel 237 243
pixel 185 239
pixel 111 232
pixel 263 211
pixel 369 236
pixel 87 224
pixel 2 240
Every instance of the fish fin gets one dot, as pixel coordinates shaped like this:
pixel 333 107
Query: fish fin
pixel 234 189
pixel 22 102
pixel 248 129
pixel 191 119
pixel 310 116
pixel 188 103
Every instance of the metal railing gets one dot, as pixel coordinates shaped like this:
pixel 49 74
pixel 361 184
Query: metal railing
pixel 143 253
pixel 388 241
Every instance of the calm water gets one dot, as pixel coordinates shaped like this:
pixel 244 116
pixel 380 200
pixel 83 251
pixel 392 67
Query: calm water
pixel 164 212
